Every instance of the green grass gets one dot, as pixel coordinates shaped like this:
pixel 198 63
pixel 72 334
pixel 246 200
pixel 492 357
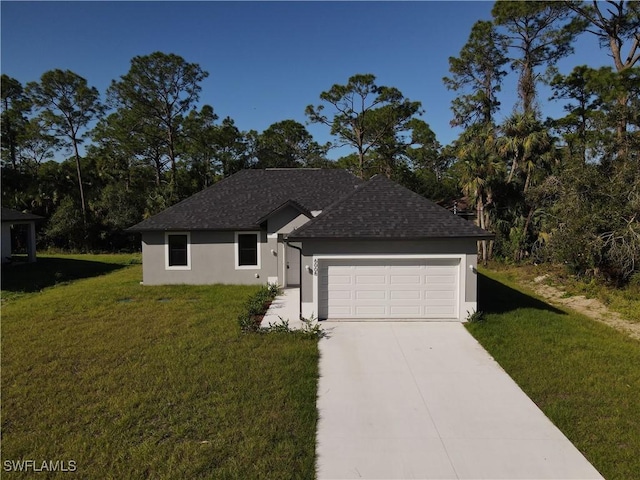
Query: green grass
pixel 134 381
pixel 50 270
pixel 584 375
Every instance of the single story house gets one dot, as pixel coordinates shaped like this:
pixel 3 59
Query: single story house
pixel 11 218
pixel 359 250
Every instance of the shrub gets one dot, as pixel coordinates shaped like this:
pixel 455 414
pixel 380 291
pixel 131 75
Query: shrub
pixel 310 328
pixel 256 306
pixel 474 317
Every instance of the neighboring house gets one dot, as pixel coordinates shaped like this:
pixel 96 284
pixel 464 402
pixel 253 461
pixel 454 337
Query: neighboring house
pixel 356 250
pixel 12 218
pixel 462 208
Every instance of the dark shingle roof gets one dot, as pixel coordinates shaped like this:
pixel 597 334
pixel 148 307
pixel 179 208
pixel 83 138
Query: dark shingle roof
pixel 382 209
pixel 10 215
pixel 243 200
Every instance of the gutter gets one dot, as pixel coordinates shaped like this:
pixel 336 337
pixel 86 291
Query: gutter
pixel 286 240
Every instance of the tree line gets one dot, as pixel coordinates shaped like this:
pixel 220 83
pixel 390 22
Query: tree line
pixel 551 189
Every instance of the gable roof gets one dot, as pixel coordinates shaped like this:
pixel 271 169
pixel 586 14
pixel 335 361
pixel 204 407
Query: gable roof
pixel 288 204
pixel 10 215
pixel 245 199
pixel 382 209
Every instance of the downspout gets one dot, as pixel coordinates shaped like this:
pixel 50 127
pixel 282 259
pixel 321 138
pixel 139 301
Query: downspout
pixel 300 287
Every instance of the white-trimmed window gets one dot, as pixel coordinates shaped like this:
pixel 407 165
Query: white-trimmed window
pixel 177 250
pixel 247 248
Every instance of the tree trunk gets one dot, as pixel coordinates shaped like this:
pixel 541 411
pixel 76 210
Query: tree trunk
pixel 360 163
pixel 480 215
pixel 514 166
pixel 528 179
pixel 12 149
pixel 81 188
pixel 486 227
pixel 487 223
pixel 524 233
pixel 158 169
pixel 12 143
pixel 527 86
pixel 621 129
pixel 172 159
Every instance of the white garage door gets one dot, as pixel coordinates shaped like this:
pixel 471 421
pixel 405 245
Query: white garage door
pixel 386 288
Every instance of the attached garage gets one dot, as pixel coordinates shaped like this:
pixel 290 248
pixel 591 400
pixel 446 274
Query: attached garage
pixel 386 253
pixel 389 288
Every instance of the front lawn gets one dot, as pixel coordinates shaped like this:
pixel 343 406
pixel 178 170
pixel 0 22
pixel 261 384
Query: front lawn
pixel 23 278
pixel 584 375
pixel 131 381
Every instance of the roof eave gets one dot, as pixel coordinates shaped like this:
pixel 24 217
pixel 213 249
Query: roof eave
pixel 134 229
pixel 478 237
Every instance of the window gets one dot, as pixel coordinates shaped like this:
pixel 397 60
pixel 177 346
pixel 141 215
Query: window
pixel 248 250
pixel 178 251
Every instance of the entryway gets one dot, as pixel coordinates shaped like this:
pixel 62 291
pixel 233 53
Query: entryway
pixel 292 266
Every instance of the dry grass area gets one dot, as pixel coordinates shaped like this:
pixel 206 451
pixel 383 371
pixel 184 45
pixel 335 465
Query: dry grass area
pixel 618 308
pixel 591 307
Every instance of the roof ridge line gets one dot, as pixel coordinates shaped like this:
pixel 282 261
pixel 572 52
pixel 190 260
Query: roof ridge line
pixel 295 168
pixel 328 209
pixel 385 191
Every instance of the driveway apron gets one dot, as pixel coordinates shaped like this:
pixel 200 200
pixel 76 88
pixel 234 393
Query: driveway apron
pixel 403 400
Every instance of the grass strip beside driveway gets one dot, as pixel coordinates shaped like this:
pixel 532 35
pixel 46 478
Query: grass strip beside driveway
pixel 132 381
pixel 584 375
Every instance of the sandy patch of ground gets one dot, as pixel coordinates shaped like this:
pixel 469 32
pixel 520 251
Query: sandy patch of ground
pixel 590 307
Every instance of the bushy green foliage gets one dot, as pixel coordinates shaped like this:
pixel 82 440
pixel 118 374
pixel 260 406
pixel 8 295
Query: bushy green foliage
pixel 256 306
pixel 593 224
pixel 310 328
pixel 476 316
pixel 279 327
pixel 65 226
pixel 274 289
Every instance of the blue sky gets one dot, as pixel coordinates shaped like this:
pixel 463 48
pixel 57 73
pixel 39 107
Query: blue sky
pixel 266 60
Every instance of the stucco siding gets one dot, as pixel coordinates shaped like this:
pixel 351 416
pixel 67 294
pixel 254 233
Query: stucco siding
pixel 213 260
pixel 282 222
pixel 213 255
pixel 286 220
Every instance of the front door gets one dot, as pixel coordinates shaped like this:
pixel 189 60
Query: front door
pixel 292 265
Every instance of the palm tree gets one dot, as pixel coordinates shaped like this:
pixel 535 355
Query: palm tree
pixel 479 168
pixel 525 140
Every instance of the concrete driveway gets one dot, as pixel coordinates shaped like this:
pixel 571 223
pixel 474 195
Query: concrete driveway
pixel 400 400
